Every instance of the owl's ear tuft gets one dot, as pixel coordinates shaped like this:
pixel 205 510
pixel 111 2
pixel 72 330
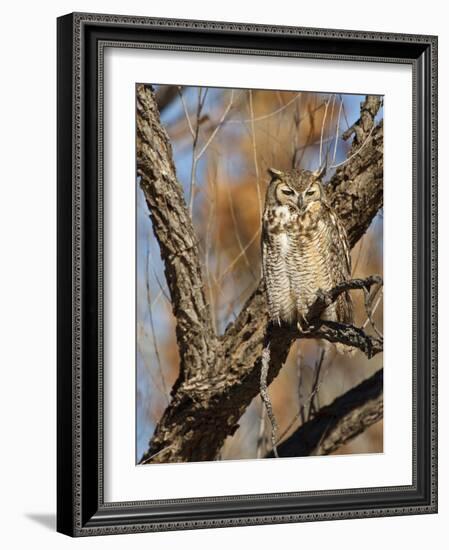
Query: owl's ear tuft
pixel 274 173
pixel 321 170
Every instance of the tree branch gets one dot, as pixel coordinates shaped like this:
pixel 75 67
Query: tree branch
pixel 174 231
pixel 326 298
pixel 333 426
pixel 220 377
pixel 166 95
pixel 346 334
pixel 356 189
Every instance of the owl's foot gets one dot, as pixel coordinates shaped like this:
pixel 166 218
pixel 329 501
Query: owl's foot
pixel 303 325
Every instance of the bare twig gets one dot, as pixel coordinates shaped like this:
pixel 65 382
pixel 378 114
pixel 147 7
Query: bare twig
pixel 212 208
pixel 326 298
pixel 237 234
pixel 337 131
pixel 342 163
pixel 241 253
pixel 309 137
pixel 162 288
pixel 315 384
pixel 156 382
pixel 344 113
pixel 266 398
pixel 253 141
pixel 264 117
pixel 261 436
pixel 186 113
pixel 217 128
pixel 149 459
pixel 301 413
pixel 336 424
pixel 374 308
pixel 301 408
pixel 296 122
pixel 331 118
pixel 323 123
pixel 370 310
pixel 196 156
pixel 153 332
pixel 299 369
pixel 359 254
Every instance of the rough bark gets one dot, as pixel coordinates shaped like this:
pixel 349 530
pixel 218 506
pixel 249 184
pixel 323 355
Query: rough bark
pixel 174 231
pixel 166 95
pixel 333 426
pixel 220 375
pixel 325 298
pixel 356 189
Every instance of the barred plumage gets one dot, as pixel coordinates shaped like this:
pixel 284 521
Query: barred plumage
pixel 304 248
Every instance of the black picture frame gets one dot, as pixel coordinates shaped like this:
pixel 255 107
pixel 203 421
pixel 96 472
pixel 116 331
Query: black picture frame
pixel 81 509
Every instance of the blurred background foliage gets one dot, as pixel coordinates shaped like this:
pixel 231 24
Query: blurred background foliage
pixel 223 142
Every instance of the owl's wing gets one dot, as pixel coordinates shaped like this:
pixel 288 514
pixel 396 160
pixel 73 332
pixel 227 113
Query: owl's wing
pixel 342 245
pixel 341 267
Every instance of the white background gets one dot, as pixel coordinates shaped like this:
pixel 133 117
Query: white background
pixel 123 481
pixel 27 229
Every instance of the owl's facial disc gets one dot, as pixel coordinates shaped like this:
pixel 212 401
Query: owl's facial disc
pixel 311 194
pixel 285 195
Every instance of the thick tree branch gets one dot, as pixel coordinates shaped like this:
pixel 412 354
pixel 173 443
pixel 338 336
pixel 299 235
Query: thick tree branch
pixel 356 189
pixel 346 334
pixel 219 379
pixel 174 231
pixel 166 95
pixel 333 426
pixel 326 298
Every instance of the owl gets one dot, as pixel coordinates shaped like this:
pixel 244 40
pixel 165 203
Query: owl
pixel 304 248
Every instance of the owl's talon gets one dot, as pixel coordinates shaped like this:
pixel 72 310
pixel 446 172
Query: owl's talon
pixel 303 326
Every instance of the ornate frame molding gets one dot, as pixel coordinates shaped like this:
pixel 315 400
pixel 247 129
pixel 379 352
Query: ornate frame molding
pixel 81 508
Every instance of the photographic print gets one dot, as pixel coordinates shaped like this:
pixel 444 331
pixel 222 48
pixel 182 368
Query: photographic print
pixel 259 318
pixel 228 217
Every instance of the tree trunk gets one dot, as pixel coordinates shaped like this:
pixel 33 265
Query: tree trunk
pixel 219 376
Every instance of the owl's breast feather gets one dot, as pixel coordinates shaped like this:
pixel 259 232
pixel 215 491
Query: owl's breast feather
pixel 284 244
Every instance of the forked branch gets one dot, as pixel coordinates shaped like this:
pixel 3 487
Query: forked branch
pixel 333 426
pixel 221 375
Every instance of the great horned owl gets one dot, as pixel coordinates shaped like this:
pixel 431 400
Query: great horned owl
pixel 304 248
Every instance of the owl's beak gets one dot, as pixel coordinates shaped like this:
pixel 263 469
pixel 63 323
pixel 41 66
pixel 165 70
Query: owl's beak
pixel 300 202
